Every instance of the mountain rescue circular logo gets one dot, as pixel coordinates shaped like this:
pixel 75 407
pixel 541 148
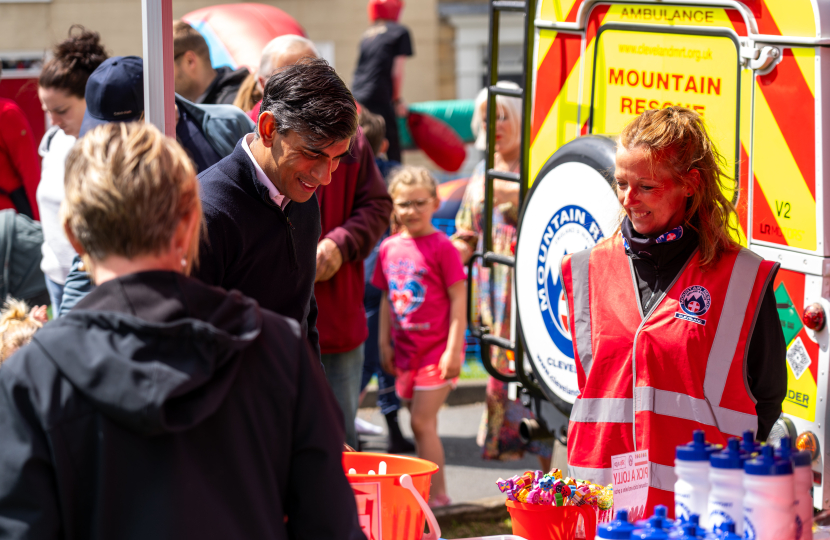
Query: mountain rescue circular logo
pixel 695 300
pixel 570 229
pixel 570 208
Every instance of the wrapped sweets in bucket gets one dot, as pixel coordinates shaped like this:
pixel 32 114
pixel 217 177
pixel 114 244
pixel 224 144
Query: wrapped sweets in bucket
pixel 544 506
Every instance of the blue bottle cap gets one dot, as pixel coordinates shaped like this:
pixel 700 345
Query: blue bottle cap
pixel 619 529
pixel 767 464
pixel 728 529
pixel 804 458
pixel 689 531
pixel 653 531
pixel 748 443
pixel 730 458
pixel 800 459
pixel 658 520
pixel 694 520
pixel 697 450
pixel 655 522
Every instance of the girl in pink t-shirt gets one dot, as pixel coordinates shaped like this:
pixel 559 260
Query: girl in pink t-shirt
pixel 422 321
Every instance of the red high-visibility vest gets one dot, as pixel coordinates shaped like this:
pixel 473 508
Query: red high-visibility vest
pixel 647 381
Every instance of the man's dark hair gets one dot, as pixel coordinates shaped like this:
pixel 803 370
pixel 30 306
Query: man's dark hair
pixel 310 99
pixel 374 127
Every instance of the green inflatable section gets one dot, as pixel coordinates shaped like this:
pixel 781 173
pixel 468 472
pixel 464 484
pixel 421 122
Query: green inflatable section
pixel 458 113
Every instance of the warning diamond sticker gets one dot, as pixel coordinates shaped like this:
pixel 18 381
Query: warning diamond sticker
pixel 798 358
pixel 790 321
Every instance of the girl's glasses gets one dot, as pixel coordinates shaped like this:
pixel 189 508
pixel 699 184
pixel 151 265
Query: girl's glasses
pixel 418 204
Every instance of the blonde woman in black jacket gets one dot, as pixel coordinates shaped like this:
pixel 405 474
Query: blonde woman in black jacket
pixel 161 407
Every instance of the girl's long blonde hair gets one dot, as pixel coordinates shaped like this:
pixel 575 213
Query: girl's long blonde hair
pixel 675 138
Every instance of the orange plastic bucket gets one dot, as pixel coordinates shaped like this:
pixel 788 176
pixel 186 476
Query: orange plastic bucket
pixel 387 510
pixel 543 522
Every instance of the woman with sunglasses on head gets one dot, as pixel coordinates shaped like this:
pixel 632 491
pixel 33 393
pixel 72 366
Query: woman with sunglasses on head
pixel 499 435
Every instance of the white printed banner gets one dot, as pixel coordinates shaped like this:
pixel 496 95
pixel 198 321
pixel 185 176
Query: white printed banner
pixel 630 474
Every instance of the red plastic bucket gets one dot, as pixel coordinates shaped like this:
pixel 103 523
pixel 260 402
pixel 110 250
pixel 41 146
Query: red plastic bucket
pixel 543 522
pixel 387 509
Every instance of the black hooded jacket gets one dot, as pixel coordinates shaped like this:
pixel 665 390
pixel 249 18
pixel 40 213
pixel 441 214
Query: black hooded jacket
pixel 164 408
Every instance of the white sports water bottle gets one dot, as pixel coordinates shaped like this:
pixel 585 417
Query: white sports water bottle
pixel 691 465
pixel 803 483
pixel 726 495
pixel 769 513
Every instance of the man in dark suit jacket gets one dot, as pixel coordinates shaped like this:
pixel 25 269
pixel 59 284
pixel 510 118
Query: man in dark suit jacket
pixel 260 203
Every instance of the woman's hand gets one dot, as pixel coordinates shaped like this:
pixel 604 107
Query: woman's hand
pixel 450 365
pixel 464 249
pixel 505 192
pixel 38 313
pixel 387 359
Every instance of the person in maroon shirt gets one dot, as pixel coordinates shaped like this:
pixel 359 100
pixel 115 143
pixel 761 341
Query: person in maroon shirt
pixel 19 162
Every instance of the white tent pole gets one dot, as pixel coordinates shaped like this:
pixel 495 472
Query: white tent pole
pixel 157 33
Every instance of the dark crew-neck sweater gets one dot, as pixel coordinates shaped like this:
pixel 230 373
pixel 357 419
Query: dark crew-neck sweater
pixel 658 265
pixel 252 245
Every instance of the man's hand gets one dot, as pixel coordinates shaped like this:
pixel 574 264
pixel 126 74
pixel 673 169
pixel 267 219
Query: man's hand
pixel 329 260
pixel 450 365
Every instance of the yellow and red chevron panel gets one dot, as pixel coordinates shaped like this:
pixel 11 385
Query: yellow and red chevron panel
pixel 562 112
pixel 784 155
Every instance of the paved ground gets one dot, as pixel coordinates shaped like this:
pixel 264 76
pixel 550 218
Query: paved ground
pixel 469 477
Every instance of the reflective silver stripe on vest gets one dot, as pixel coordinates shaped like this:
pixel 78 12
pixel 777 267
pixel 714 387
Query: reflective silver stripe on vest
pixel 601 476
pixel 684 406
pixel 582 308
pixel 662 477
pixel 616 410
pixel 732 318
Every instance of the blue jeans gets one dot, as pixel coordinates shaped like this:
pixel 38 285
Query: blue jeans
pixel 343 372
pixel 55 296
pixel 388 400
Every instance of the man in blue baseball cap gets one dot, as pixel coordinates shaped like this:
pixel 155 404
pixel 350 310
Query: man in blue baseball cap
pixel 114 92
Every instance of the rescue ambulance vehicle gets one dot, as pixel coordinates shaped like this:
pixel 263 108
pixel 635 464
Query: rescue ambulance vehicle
pixel 756 71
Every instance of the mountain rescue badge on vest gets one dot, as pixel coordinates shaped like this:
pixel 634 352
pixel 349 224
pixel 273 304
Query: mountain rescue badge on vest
pixel 695 302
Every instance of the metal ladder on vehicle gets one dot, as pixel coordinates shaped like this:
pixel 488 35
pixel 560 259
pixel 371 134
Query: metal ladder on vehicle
pixel 487 256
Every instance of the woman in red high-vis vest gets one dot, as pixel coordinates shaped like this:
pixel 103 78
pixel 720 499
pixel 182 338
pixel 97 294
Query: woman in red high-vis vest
pixel 675 325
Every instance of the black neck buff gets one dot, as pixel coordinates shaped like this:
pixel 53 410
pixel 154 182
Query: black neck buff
pixel 657 249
